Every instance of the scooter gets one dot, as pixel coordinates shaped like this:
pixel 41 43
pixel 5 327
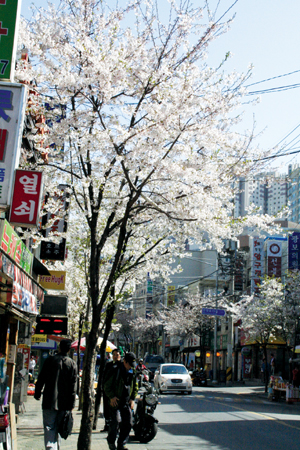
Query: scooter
pixel 142 377
pixel 199 378
pixel 144 423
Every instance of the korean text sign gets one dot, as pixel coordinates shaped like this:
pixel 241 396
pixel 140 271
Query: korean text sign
pixel 12 111
pixel 9 20
pixel 294 251
pixel 274 255
pixel 12 245
pixel 26 199
pixel 257 266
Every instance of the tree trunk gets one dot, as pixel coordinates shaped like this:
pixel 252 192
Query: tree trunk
pixel 108 320
pixel 86 426
pixel 266 374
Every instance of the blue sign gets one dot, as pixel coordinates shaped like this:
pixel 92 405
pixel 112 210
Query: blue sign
pixel 213 312
pixel 294 251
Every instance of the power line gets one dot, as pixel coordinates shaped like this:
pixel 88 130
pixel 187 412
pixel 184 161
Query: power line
pixel 273 78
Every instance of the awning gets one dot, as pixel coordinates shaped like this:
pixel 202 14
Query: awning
pixel 39 268
pixel 109 345
pixel 17 313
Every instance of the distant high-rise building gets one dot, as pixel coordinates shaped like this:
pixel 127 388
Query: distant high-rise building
pixel 294 192
pixel 266 191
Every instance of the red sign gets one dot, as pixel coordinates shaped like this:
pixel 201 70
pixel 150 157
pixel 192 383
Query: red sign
pixel 26 199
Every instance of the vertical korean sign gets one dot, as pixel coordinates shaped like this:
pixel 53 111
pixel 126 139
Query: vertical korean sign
pixel 274 254
pixel 58 220
pixel 9 23
pixel 26 199
pixel 257 267
pixel 12 110
pixel 294 251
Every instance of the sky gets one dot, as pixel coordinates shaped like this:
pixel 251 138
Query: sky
pixel 266 34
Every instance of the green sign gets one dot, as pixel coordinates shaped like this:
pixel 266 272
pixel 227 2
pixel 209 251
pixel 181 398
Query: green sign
pixel 13 246
pixel 9 20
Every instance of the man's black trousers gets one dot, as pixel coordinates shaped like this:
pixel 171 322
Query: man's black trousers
pixel 124 426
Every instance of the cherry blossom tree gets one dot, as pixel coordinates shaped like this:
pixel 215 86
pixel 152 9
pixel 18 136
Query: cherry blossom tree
pixel 186 319
pixel 147 141
pixel 146 329
pixel 265 316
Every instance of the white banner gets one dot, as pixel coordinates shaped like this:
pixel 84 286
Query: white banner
pixel 274 248
pixel 12 112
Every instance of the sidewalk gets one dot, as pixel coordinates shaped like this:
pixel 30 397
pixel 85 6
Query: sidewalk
pixel 30 430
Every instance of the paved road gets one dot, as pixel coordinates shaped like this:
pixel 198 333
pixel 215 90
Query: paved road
pixel 236 418
pixel 225 419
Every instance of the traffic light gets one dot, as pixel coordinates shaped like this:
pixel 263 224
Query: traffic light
pixel 51 325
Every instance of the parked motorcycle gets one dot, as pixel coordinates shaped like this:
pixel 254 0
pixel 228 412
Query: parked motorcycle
pixel 144 423
pixel 199 378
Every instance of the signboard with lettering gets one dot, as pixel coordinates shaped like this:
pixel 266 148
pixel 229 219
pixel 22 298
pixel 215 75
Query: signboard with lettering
pixel 39 338
pixel 11 244
pixel 257 267
pixel 274 253
pixel 26 198
pixel 59 224
pixel 12 111
pixel 55 281
pixel 25 292
pixel 294 251
pixel 171 295
pixel 9 21
pixel 213 312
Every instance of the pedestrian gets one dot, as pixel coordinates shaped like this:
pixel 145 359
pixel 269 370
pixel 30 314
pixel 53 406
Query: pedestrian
pixel 121 388
pixel 116 356
pixel 191 365
pixel 58 382
pixel 31 367
pixel 273 364
pixel 296 376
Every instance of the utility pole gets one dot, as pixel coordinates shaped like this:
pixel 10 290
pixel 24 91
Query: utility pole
pixel 216 324
pixel 78 350
pixel 233 245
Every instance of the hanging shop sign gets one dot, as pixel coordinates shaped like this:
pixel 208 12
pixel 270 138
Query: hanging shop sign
pixel 25 293
pixel 11 244
pixel 294 251
pixel 257 268
pixel 171 295
pixel 55 281
pixel 12 111
pixel 58 220
pixel 26 198
pixel 9 24
pixel 274 254
pixel 38 338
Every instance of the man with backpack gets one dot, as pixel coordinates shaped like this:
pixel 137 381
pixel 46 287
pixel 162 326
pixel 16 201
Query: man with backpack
pixel 58 382
pixel 120 386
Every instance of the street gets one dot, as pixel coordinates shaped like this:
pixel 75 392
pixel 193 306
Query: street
pixel 212 418
pixel 224 418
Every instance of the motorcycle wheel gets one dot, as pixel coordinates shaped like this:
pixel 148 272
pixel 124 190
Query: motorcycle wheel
pixel 146 435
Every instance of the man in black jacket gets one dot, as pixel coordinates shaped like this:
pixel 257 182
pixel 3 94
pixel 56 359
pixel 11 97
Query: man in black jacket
pixel 58 378
pixel 116 355
pixel 120 386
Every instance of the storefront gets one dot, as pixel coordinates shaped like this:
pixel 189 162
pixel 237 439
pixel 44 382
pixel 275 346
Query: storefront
pixel 20 297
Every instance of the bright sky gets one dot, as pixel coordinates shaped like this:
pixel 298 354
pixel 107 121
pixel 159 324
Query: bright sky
pixel 265 33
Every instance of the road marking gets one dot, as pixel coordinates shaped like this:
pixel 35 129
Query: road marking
pixel 266 416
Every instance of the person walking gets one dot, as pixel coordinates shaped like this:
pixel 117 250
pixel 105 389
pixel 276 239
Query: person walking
pixel 58 382
pixel 116 356
pixel 296 376
pixel 273 364
pixel 121 389
pixel 32 364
